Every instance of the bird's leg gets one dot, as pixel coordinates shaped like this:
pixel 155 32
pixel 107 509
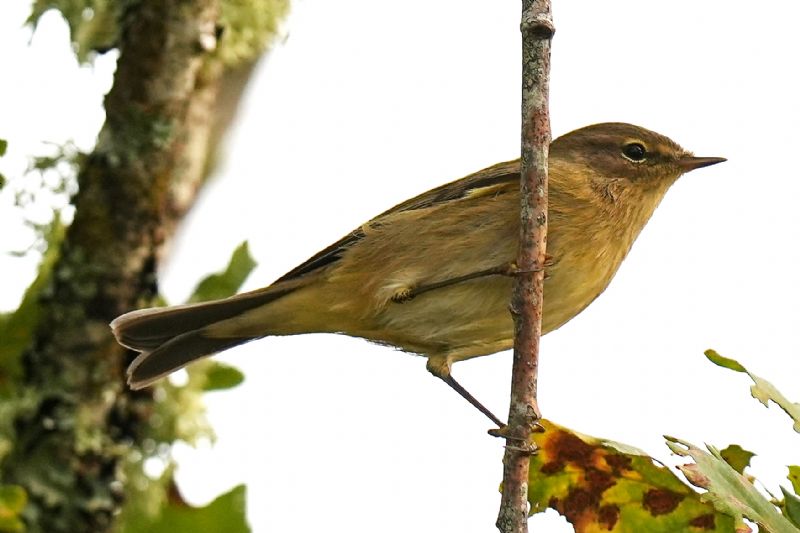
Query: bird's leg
pixel 508 269
pixel 440 367
pixel 471 399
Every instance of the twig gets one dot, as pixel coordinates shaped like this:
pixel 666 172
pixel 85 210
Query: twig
pixel 526 301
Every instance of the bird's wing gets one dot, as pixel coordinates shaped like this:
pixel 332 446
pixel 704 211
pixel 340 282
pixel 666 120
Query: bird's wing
pixel 485 179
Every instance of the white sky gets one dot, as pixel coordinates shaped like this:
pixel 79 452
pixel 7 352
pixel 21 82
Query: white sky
pixel 366 104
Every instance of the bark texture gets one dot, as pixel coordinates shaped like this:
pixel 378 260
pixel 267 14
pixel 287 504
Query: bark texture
pixel 80 421
pixel 526 302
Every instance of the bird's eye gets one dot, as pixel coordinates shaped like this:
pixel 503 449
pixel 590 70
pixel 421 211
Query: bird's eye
pixel 635 152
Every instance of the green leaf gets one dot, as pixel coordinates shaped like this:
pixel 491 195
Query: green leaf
pixel 221 376
pixel 224 284
pixel 791 506
pixel 737 457
pixel 598 487
pixel 226 513
pixel 92 23
pixel 762 390
pixel 729 491
pixel 3 147
pixel 794 477
pixel 13 500
pixel 724 362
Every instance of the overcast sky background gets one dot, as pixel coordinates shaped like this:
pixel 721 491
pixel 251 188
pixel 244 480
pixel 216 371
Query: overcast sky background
pixel 365 104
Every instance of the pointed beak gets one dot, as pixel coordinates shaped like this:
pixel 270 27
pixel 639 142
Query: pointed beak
pixel 688 163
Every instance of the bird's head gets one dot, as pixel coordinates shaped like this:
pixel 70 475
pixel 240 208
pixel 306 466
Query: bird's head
pixel 629 155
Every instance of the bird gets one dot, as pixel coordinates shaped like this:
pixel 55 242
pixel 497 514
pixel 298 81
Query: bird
pixel 433 275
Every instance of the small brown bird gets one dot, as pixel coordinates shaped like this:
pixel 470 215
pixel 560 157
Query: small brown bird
pixel 430 276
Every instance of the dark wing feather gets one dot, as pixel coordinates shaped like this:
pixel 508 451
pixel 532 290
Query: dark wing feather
pixel 327 256
pixel 489 177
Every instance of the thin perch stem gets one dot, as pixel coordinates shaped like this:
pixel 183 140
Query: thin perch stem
pixel 526 301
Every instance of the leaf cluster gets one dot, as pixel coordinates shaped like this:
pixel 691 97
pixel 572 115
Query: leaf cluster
pixel 600 485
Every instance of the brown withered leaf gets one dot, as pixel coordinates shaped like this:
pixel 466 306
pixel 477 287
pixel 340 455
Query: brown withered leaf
pixel 602 486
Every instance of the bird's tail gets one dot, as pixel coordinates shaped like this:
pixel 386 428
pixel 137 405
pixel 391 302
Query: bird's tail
pixel 171 337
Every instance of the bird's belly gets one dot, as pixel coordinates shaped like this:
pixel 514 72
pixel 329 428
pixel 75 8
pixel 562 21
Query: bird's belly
pixel 464 320
pixel 472 318
pixel 575 282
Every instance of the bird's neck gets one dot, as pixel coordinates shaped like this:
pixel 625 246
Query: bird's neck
pixel 609 209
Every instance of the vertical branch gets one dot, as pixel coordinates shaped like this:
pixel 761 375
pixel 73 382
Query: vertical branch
pixel 526 301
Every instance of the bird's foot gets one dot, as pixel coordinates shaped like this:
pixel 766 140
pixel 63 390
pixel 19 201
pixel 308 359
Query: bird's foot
pixel 403 296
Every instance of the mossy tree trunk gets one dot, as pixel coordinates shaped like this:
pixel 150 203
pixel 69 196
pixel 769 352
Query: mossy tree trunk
pixel 164 118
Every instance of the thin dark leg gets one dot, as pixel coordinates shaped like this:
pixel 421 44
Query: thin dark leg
pixel 471 399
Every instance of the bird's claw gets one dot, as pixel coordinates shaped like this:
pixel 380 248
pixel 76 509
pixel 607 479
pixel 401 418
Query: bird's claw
pixel 403 296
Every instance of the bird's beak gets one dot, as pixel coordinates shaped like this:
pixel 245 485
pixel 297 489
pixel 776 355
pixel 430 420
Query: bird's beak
pixel 688 162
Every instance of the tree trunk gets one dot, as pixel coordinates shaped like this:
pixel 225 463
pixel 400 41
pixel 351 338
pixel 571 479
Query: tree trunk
pixel 78 421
